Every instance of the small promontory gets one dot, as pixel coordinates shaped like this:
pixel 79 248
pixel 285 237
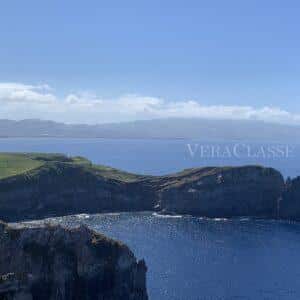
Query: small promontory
pixel 54 263
pixel 223 192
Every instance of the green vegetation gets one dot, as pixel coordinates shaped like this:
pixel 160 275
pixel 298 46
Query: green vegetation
pixel 116 174
pixel 14 164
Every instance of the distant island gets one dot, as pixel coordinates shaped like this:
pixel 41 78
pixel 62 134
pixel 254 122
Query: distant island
pixel 37 185
pixel 173 128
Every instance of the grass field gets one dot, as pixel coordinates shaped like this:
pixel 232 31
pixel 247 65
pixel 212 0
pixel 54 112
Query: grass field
pixel 14 164
pixel 116 174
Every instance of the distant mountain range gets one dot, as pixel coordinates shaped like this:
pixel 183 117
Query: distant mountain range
pixel 160 129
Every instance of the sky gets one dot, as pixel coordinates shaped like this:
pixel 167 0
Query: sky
pixel 111 61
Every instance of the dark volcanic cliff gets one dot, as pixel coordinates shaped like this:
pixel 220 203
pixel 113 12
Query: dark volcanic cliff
pixel 290 201
pixel 60 185
pixel 223 192
pixel 54 263
pixel 59 188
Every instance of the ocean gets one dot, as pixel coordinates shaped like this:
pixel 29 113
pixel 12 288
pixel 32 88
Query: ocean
pixel 191 258
pixel 157 157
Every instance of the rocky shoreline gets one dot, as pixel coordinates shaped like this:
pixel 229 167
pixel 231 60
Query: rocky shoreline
pixel 61 186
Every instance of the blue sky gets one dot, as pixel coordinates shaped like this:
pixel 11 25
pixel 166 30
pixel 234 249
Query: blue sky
pixel 215 53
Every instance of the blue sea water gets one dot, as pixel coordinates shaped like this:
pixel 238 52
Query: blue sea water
pixel 156 157
pixel 191 258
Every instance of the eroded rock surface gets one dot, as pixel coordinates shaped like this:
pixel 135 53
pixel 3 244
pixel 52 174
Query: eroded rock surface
pixel 58 189
pixel 63 185
pixel 290 202
pixel 54 263
pixel 223 192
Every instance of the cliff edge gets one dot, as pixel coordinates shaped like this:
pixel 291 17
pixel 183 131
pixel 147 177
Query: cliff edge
pixel 223 192
pixel 54 263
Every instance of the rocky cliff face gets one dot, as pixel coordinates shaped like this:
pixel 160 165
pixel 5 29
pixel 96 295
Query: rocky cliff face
pixel 223 192
pixel 59 189
pixel 54 263
pixel 63 185
pixel 290 201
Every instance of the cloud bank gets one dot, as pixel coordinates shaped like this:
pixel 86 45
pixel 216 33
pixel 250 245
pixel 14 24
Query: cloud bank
pixel 22 101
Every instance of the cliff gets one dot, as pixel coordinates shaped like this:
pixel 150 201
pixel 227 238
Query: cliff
pixel 290 201
pixel 223 192
pixel 34 186
pixel 59 185
pixel 53 263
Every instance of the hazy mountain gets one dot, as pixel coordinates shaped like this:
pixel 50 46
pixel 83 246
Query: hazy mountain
pixel 162 128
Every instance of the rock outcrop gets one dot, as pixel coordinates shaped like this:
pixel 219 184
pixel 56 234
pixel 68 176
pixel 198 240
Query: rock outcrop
pixel 55 263
pixel 58 188
pixel 289 206
pixel 223 192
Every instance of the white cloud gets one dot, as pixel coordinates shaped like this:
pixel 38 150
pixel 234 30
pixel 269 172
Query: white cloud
pixel 15 92
pixel 21 101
